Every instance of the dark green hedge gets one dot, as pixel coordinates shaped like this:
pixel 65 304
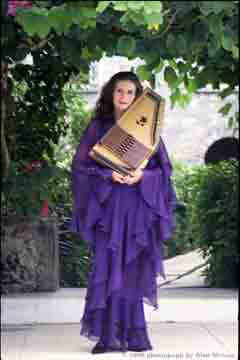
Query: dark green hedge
pixel 213 218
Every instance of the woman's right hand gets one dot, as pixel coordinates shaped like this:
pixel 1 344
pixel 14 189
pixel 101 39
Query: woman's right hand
pixel 116 177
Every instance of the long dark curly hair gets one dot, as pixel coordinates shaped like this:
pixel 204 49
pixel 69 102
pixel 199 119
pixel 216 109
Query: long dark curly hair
pixel 104 106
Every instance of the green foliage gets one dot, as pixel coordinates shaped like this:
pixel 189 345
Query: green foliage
pixel 75 265
pixel 143 73
pixel 77 116
pixel 39 107
pixel 76 110
pixel 213 220
pixel 26 187
pixel 207 218
pixel 102 5
pixel 181 30
pixel 170 76
pixel 184 180
pixel 40 21
pixel 126 45
pixel 201 35
pixel 182 242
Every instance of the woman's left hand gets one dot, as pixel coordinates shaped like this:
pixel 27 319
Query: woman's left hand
pixel 135 178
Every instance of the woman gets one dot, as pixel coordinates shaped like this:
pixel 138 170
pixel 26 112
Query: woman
pixel 125 221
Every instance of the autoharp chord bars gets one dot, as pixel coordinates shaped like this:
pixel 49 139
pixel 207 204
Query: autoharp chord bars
pixel 126 147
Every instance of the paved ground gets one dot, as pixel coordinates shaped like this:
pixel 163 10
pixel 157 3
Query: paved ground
pixel 192 321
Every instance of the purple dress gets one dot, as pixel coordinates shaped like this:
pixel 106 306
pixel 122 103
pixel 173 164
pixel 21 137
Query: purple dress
pixel 124 226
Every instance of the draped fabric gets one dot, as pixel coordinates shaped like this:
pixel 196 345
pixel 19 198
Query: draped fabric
pixel 124 226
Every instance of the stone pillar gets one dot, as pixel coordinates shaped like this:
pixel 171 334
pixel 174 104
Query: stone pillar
pixel 30 254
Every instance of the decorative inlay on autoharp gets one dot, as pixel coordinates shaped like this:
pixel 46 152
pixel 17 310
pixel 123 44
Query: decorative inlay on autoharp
pixel 130 143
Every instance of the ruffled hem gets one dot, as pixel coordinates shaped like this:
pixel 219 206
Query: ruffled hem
pixel 137 282
pixel 120 325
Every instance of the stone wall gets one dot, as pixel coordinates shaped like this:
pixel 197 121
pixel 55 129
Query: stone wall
pixel 29 255
pixel 189 132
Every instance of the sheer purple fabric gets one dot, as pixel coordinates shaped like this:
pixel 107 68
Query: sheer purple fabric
pixel 124 226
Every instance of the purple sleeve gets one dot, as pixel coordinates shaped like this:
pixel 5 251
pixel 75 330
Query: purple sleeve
pixel 82 162
pixel 157 189
pixel 88 178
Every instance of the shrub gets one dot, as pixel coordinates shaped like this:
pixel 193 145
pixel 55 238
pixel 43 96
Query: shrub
pixel 75 260
pixel 181 242
pixel 27 186
pixel 77 117
pixel 213 221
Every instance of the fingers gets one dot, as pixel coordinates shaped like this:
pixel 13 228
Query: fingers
pixel 122 180
pixel 118 178
pixel 130 180
pixel 126 179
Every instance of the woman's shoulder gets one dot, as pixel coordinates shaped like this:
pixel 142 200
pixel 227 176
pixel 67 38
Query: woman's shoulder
pixel 98 126
pixel 100 121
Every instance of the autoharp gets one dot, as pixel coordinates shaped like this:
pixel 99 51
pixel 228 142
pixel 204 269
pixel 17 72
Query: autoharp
pixel 130 143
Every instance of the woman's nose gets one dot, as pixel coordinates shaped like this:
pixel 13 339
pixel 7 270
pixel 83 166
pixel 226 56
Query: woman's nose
pixel 123 96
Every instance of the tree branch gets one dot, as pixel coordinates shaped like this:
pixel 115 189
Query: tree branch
pixel 4 148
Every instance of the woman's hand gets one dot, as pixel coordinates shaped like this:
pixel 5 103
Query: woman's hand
pixel 126 179
pixel 116 177
pixel 135 178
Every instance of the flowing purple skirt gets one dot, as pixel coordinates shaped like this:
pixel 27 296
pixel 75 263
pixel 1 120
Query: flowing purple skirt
pixel 126 259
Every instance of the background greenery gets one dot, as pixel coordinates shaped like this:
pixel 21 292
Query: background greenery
pixel 213 220
pixel 77 116
pixel 195 43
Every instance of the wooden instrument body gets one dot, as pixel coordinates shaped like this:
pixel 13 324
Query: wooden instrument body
pixel 130 143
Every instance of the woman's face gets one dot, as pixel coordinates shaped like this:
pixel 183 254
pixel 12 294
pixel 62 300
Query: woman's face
pixel 123 95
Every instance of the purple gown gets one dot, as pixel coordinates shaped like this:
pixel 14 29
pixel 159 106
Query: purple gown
pixel 124 226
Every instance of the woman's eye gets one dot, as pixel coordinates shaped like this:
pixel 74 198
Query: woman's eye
pixel 120 91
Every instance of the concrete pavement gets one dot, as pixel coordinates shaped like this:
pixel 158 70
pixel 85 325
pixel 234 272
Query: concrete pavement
pixel 192 321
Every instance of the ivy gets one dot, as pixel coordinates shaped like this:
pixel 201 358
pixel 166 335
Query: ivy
pixel 143 72
pixel 38 107
pixel 153 19
pixel 58 21
pixel 35 22
pixel 134 5
pixel 102 5
pixel 225 109
pixel 152 7
pixel 126 45
pixel 187 30
pixel 170 76
pixel 235 51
